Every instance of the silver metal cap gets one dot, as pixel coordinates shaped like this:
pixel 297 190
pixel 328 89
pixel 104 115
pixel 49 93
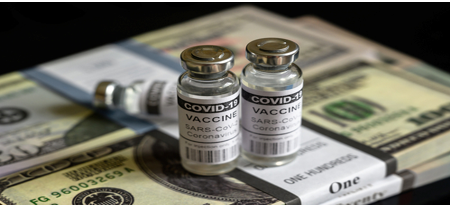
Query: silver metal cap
pixel 207 59
pixel 272 52
pixel 103 95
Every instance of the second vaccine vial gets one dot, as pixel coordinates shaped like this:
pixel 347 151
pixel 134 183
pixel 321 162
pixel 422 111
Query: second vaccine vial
pixel 208 100
pixel 271 102
pixel 141 98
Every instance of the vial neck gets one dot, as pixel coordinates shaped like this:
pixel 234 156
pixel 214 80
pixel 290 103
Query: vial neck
pixel 117 97
pixel 271 69
pixel 213 76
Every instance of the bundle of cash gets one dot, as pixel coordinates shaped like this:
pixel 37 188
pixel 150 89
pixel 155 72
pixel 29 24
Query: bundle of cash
pixel 428 172
pixel 147 169
pixel 358 129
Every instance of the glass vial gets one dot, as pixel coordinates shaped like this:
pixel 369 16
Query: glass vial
pixel 271 102
pixel 141 98
pixel 208 99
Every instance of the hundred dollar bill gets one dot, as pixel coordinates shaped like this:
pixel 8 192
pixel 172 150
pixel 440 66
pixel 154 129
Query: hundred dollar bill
pixel 388 55
pixel 147 169
pixel 37 125
pixel 373 104
pixel 143 170
pixel 235 28
pixel 423 174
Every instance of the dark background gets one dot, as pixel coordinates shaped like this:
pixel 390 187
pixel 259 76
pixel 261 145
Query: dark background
pixel 34 33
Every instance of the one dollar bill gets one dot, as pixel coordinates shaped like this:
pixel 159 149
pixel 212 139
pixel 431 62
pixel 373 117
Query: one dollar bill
pixel 423 174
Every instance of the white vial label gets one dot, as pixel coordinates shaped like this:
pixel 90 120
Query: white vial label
pixel 159 98
pixel 209 129
pixel 271 121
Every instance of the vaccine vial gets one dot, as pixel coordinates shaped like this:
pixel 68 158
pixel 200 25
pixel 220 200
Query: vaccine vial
pixel 141 98
pixel 271 102
pixel 208 100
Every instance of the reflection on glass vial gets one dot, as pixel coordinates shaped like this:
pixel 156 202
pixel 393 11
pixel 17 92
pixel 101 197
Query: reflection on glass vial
pixel 141 98
pixel 271 102
pixel 208 99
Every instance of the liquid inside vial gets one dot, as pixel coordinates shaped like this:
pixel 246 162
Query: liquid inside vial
pixel 271 104
pixel 209 119
pixel 201 89
pixel 284 79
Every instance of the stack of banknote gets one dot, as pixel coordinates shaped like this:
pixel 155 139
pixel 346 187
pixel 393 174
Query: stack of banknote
pixel 55 149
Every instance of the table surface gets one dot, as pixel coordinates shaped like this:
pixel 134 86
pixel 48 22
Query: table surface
pixel 34 33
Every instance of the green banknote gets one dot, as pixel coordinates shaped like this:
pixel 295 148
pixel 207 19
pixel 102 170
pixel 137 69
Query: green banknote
pixel 143 170
pixel 37 125
pixel 378 106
